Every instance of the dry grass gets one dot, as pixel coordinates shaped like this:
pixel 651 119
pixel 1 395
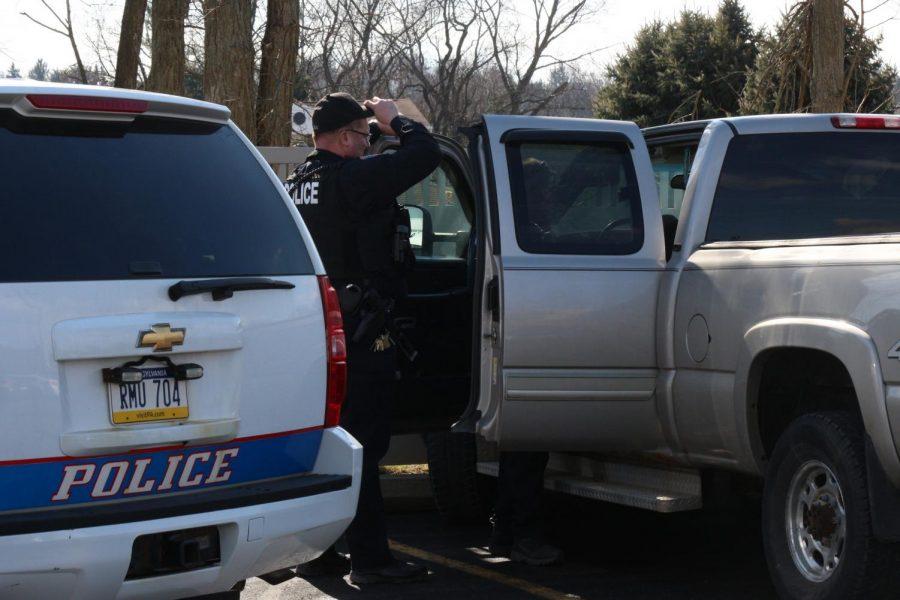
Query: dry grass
pixel 404 469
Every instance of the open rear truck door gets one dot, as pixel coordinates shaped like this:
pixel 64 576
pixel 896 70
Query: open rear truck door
pixel 569 268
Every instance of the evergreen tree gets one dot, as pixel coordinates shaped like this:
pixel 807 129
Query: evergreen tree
pixel 633 89
pixel 40 71
pixel 193 79
pixel 736 46
pixel 780 80
pixel 692 68
pixel 13 72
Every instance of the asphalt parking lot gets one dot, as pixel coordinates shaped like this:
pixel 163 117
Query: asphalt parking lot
pixel 612 552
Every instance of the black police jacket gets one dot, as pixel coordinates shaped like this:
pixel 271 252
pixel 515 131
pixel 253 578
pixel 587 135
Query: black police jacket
pixel 349 206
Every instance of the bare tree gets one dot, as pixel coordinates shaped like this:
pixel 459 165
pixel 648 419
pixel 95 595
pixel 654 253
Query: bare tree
pixel 167 46
pixel 355 45
pixel 194 53
pixel 130 35
pixel 883 12
pixel 104 43
pixel 456 58
pixel 228 59
pixel 827 85
pixel 581 88
pixel 447 61
pixel 64 29
pixel 520 57
pixel 278 67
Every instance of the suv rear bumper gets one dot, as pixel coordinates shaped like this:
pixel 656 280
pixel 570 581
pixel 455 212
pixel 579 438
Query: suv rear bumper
pixel 92 562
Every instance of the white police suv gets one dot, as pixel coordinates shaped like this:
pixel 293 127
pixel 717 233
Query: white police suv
pixel 172 358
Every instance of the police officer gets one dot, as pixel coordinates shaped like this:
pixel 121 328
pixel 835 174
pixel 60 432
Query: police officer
pixel 349 204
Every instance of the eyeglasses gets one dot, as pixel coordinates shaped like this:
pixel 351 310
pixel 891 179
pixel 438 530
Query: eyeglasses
pixel 365 134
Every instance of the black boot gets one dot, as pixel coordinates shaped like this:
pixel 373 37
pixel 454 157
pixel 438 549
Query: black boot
pixel 500 542
pixel 329 564
pixel 532 551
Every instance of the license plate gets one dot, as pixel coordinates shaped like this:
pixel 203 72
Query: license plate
pixel 157 397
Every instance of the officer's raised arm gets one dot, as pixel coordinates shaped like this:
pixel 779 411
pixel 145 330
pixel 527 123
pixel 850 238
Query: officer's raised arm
pixel 378 179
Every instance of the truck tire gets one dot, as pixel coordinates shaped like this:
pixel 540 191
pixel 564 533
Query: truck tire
pixel 457 487
pixel 816 518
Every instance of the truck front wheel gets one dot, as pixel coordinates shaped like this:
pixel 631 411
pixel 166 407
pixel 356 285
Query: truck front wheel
pixel 816 518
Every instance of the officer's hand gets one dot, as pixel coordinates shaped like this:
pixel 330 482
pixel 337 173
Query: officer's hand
pixel 385 111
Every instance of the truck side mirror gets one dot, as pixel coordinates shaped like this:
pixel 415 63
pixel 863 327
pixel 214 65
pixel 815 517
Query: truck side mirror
pixel 678 182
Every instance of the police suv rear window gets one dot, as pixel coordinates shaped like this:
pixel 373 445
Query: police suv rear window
pixel 152 198
pixel 807 185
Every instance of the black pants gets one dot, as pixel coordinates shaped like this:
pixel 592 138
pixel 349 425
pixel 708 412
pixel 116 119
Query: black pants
pixel 371 384
pixel 519 488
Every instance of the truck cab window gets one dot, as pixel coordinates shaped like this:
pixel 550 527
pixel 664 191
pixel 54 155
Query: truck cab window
pixel 835 184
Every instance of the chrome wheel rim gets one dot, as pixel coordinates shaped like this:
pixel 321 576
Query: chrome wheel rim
pixel 816 521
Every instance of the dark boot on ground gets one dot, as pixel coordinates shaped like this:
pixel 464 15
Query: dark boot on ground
pixel 500 543
pixel 535 552
pixel 330 564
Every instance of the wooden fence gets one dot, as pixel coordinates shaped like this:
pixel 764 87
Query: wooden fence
pixel 283 160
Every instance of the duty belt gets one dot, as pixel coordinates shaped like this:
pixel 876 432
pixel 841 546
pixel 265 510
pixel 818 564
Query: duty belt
pixel 377 328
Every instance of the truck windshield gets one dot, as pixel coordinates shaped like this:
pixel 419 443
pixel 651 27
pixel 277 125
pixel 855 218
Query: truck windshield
pixel 152 198
pixel 807 185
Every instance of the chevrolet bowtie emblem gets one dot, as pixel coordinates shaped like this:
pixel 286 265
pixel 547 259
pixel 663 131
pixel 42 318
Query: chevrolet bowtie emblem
pixel 161 337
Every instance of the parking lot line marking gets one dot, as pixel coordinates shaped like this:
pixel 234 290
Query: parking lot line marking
pixel 514 582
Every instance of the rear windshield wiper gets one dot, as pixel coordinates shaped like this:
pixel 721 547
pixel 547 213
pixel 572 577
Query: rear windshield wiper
pixel 225 288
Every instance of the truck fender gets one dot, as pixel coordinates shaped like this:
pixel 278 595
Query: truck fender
pixel 846 342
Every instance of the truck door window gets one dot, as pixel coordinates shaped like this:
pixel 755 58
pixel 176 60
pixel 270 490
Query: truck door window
pixel 575 198
pixel 447 208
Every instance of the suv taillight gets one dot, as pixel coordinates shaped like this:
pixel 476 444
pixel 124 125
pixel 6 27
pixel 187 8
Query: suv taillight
pixel 336 347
